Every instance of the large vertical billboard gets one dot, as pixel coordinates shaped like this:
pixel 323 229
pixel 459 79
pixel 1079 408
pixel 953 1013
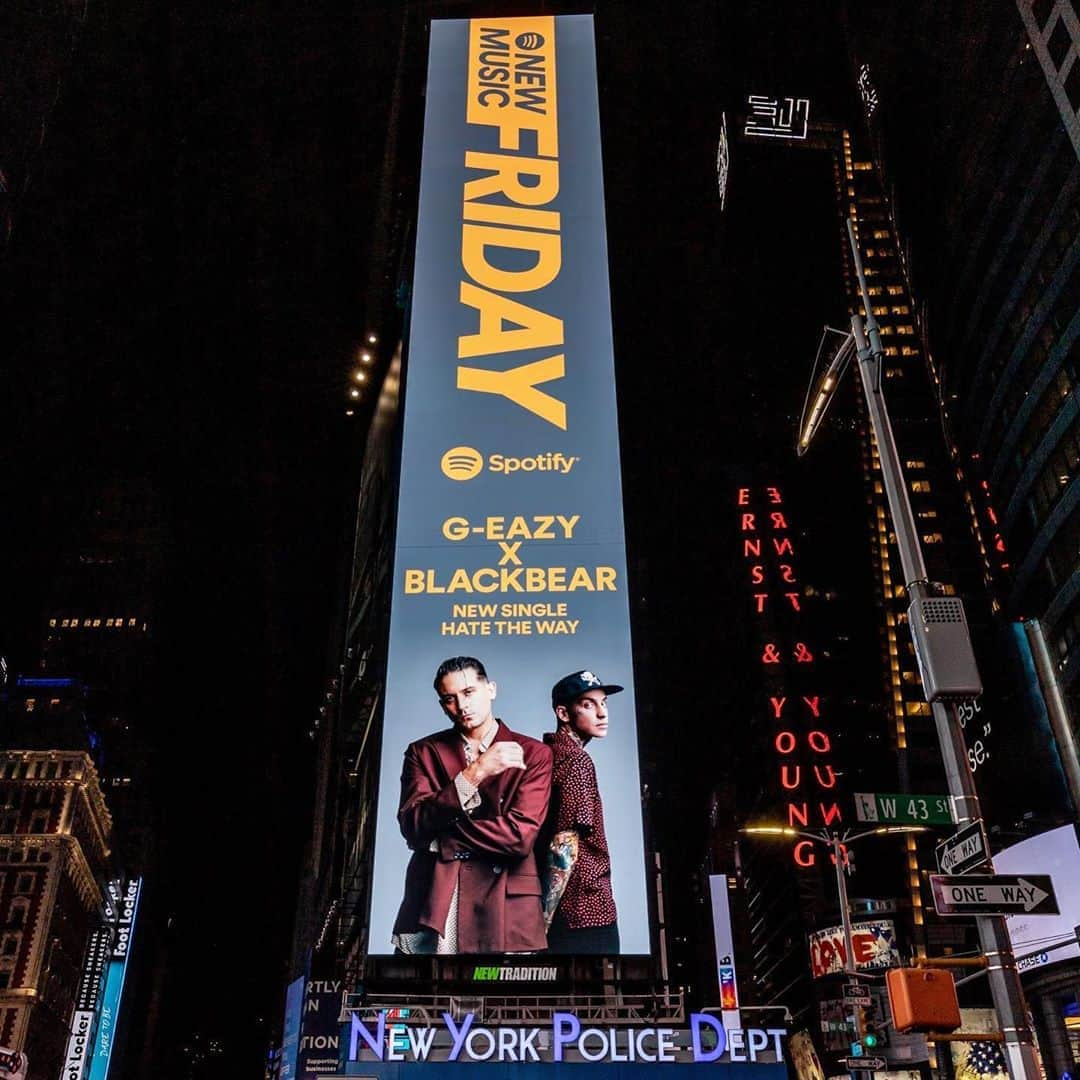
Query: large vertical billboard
pixel 87 997
pixel 510 546
pixel 122 908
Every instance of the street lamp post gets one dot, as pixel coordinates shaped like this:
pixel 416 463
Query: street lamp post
pixel 946 660
pixel 839 843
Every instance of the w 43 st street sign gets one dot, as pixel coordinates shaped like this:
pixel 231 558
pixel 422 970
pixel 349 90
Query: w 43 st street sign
pixel 903 809
pixel 994 894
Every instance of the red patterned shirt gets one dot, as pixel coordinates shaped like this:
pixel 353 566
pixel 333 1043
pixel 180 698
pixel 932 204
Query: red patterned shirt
pixel 575 805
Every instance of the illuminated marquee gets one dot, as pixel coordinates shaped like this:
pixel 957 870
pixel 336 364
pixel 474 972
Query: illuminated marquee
pixel 801 740
pixel 463 1040
pixel 777 118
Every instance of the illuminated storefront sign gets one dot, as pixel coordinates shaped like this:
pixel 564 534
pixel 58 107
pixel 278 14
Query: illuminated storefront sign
pixel 86 1003
pixel 122 907
pixel 567 1039
pixel 801 738
pixel 510 545
pixel 873 947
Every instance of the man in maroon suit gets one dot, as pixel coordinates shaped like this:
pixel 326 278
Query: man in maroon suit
pixel 473 799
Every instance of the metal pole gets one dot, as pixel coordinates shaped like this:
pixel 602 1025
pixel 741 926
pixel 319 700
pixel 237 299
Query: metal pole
pixel 845 915
pixel 1056 710
pixel 1005 988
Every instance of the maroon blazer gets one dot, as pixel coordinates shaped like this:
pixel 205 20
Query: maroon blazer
pixel 488 854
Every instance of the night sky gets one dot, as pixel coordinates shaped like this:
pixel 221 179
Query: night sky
pixel 184 291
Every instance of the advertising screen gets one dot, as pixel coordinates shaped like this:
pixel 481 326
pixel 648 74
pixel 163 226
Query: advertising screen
pixel 874 945
pixel 510 546
pixel 724 941
pixel 290 1031
pixel 1038 940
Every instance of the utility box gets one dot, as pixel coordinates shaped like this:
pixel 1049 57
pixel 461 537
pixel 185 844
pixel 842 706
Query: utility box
pixel 943 649
pixel 922 999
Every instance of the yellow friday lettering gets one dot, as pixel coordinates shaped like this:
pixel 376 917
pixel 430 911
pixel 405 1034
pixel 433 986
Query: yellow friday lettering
pixel 512 88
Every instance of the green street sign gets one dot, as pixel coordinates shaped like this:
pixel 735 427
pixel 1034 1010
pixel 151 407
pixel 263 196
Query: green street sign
pixel 891 809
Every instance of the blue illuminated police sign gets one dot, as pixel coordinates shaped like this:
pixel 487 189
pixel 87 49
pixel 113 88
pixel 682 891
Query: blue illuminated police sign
pixel 565 1040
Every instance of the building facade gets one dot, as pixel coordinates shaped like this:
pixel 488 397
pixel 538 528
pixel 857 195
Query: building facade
pixel 55 833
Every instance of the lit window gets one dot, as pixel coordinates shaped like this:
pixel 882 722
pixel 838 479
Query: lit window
pixel 875 291
pixel 863 166
pixel 881 234
pixel 131 622
pixel 87 622
pixel 891 350
pixel 920 487
pixel 933 538
pixel 914 463
pixel 30 703
pixel 896 290
pixel 905 329
pixel 908 350
pixel 926 514
pixel 65 622
pixel 108 622
pixel 917 708
pixel 97 622
pixel 900 309
pixel 52 622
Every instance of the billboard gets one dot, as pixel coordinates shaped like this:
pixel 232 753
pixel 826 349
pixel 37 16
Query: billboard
pixel 80 1043
pixel 1038 940
pixel 121 909
pixel 724 942
pixel 510 545
pixel 319 1030
pixel 290 1032
pixel 873 945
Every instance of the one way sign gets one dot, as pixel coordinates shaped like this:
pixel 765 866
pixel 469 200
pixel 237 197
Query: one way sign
pixel 994 894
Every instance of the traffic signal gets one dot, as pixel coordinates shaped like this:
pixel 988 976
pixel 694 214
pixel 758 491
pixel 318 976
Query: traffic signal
pixel 871 1038
pixel 922 999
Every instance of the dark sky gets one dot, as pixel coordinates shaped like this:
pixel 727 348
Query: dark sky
pixel 184 289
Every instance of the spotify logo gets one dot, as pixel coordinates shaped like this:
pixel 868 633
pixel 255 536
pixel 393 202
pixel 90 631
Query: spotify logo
pixel 462 463
pixel 529 42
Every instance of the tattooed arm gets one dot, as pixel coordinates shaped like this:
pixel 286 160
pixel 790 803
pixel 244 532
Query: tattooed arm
pixel 562 856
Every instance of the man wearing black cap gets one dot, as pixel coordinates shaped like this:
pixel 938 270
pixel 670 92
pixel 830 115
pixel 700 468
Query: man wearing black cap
pixel 579 907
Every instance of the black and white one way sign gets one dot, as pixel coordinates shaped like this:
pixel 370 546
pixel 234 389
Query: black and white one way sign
pixel 994 894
